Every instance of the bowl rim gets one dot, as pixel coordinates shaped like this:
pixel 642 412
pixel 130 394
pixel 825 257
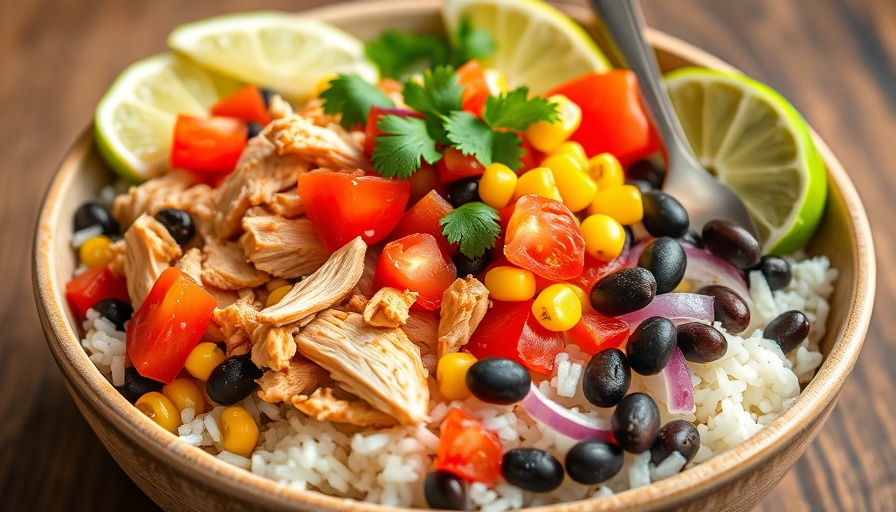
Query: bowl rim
pixel 702 479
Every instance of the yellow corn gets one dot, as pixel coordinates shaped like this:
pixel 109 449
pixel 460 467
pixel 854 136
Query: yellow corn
pixel 538 181
pixel 239 432
pixel 510 284
pixel 160 410
pixel 622 203
pixel 584 299
pixel 204 358
pixel 606 171
pixel 604 237
pixel 575 187
pixel 573 149
pixel 185 393
pixel 545 136
pixel 451 375
pixel 557 308
pixel 277 295
pixel 95 251
pixel 497 185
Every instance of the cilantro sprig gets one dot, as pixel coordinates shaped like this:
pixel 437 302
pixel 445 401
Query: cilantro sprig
pixel 474 226
pixel 352 96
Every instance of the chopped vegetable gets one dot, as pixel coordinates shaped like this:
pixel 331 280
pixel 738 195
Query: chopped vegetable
pixel 468 449
pixel 208 145
pixel 416 263
pixel 562 420
pixel 425 217
pixel 92 286
pixel 247 104
pixel 544 237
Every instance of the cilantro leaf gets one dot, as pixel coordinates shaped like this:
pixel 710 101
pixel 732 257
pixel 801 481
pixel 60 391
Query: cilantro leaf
pixel 515 111
pixel 352 96
pixel 507 149
pixel 400 54
pixel 474 225
pixel 470 135
pixel 470 43
pixel 403 143
pixel 438 95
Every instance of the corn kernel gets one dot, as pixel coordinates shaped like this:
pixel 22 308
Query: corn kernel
pixel 547 137
pixel 557 308
pixel 497 185
pixel 538 181
pixel 160 410
pixel 606 171
pixel 573 149
pixel 277 295
pixel 95 252
pixel 204 358
pixel 239 432
pixel 622 203
pixel 584 299
pixel 575 187
pixel 510 284
pixel 451 375
pixel 604 237
pixel 185 393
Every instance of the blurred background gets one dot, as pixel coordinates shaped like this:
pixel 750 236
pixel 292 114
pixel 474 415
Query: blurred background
pixel 834 59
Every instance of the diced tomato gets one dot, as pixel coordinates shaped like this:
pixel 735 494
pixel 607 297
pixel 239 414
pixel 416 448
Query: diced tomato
pixel 424 217
pixel 613 119
pixel 510 330
pixel 415 263
pixel 208 145
pixel 455 165
pixel 343 206
pixel 594 270
pixel 543 236
pixel 531 157
pixel 168 325
pixel 505 214
pixel 246 104
pixel 595 332
pixel 468 449
pixel 472 77
pixel 92 286
pixel 373 117
pixel 423 181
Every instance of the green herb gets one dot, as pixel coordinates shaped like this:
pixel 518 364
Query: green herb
pixel 352 96
pixel 468 43
pixel 474 225
pixel 401 54
pixel 438 95
pixel 515 111
pixel 404 142
pixel 472 136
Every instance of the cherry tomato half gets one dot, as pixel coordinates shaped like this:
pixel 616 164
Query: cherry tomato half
pixel 424 217
pixel 415 263
pixel 468 449
pixel 543 236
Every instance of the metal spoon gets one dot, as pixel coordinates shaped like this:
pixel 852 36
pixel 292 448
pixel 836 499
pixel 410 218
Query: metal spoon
pixel 703 196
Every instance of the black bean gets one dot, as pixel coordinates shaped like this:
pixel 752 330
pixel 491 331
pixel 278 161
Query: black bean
pixel 471 266
pixel 636 423
pixel 267 95
pixel 650 347
pixel 116 311
pixel 642 185
pixel 666 260
pixel 92 213
pixel 496 380
pixel 664 215
pixel 776 272
pixel 676 436
pixel 253 130
pixel 788 330
pixel 729 307
pixel 623 291
pixel 701 343
pixel 647 171
pixel 693 238
pixel 444 490
pixel 731 242
pixel 532 469
pixel 233 380
pixel 592 462
pixel 463 191
pixel 606 378
pixel 178 223
pixel 136 385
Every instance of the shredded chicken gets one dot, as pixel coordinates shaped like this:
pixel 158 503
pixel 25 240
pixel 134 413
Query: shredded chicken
pixel 150 250
pixel 282 247
pixel 332 283
pixel 422 329
pixel 323 405
pixel 389 307
pixel 380 366
pixel 191 264
pixel 299 377
pixel 365 283
pixel 273 347
pixel 326 146
pixel 237 323
pixel 151 196
pixel 464 304
pixel 357 304
pixel 225 267
pixel 287 204
pixel 118 250
pixel 279 108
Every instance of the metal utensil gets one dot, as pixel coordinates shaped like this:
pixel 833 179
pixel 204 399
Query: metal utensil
pixel 703 196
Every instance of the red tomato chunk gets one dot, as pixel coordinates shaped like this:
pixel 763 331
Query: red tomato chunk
pixel 424 217
pixel 208 145
pixel 595 332
pixel 415 263
pixel 543 236
pixel 246 104
pixel 92 286
pixel 468 449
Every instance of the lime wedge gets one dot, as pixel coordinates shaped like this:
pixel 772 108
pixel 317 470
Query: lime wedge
pixel 134 121
pixel 757 144
pixel 537 45
pixel 279 51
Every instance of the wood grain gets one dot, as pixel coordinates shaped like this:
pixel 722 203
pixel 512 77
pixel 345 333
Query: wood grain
pixel 833 58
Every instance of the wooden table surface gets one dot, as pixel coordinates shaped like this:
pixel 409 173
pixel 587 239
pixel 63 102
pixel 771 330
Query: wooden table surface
pixel 835 59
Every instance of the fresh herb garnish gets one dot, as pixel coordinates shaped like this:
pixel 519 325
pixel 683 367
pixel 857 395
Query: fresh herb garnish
pixel 405 141
pixel 352 96
pixel 469 42
pixel 516 111
pixel 474 226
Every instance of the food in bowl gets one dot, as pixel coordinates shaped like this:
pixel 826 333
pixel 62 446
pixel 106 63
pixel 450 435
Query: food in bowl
pixel 384 377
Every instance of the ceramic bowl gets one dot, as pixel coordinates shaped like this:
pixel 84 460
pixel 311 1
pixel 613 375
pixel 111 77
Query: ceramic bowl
pixel 180 477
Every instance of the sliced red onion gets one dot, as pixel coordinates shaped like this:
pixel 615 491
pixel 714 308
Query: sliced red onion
pixel 705 269
pixel 674 384
pixel 562 420
pixel 635 252
pixel 678 307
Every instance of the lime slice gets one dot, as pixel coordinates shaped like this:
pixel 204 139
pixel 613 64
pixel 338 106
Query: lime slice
pixel 134 121
pixel 757 144
pixel 279 51
pixel 537 45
